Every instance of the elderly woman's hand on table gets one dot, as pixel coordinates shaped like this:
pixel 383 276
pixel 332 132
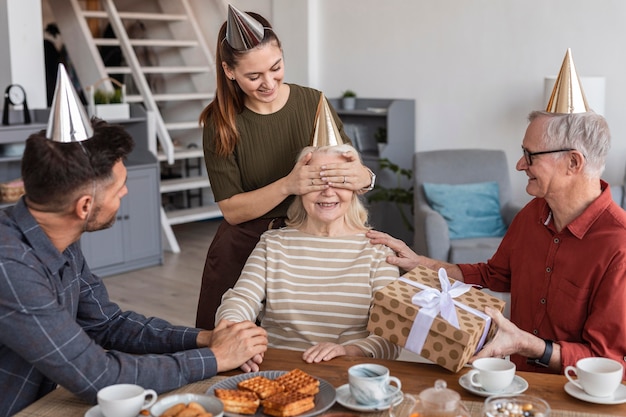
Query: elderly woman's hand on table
pixel 326 351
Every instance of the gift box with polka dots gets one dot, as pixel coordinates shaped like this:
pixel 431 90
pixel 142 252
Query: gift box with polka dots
pixel 393 313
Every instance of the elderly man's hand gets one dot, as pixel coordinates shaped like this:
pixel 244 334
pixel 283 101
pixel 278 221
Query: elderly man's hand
pixel 405 258
pixel 238 344
pixel 507 341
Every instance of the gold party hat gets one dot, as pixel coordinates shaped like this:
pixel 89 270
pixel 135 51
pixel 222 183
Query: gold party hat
pixel 567 95
pixel 326 131
pixel 68 120
pixel 243 32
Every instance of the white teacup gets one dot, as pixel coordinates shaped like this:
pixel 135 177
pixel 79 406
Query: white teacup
pixel 492 374
pixel 599 377
pixel 125 400
pixel 371 383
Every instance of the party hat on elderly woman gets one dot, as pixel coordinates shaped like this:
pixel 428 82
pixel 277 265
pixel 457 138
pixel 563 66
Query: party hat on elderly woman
pixel 243 31
pixel 326 132
pixel 68 120
pixel 567 95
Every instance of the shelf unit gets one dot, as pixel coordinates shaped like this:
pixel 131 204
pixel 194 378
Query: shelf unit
pixel 395 117
pixel 134 241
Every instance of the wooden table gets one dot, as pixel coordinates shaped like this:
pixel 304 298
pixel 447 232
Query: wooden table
pixel 415 378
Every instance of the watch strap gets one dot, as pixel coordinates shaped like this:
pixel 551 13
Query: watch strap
pixel 544 360
pixel 372 181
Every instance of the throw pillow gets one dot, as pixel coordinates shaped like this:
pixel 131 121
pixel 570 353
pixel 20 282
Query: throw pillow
pixel 471 210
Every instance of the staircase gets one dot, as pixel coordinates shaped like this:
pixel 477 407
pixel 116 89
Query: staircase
pixel 168 67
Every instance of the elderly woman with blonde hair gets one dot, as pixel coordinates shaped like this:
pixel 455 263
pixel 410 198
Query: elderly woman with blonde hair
pixel 311 283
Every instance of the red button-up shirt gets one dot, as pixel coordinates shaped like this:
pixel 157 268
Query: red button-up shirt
pixel 567 286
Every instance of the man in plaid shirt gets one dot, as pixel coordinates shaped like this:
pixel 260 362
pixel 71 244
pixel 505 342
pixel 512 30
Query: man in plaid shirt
pixel 57 324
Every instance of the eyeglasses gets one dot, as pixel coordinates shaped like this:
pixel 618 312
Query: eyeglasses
pixel 529 155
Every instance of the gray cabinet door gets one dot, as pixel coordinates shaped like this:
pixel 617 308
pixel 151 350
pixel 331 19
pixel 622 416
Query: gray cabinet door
pixel 142 231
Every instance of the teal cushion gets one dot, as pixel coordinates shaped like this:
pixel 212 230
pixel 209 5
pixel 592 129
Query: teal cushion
pixel 471 210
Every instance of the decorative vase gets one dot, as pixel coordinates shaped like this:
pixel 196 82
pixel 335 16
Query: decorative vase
pixel 348 103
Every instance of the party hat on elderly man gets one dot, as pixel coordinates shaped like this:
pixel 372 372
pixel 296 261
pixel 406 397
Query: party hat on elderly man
pixel 243 31
pixel 567 95
pixel 326 132
pixel 68 120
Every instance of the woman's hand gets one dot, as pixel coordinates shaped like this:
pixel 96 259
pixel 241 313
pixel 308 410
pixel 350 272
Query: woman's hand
pixel 304 178
pixel 351 175
pixel 323 352
pixel 327 351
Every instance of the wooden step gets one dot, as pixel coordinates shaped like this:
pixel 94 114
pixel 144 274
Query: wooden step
pixel 162 70
pixel 163 17
pixel 136 98
pixel 182 184
pixel 182 125
pixel 183 154
pixel 193 214
pixel 164 43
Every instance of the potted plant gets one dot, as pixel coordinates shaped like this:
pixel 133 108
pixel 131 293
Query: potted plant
pixel 108 105
pixel 348 100
pixel 399 195
pixel 381 138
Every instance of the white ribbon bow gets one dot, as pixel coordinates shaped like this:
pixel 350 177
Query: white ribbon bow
pixel 434 302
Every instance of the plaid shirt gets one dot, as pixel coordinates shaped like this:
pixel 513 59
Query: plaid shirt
pixel 58 326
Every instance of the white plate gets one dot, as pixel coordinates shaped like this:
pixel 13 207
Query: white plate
pixel 323 399
pixel 345 398
pixel 518 386
pixel 209 402
pixel 94 412
pixel 618 398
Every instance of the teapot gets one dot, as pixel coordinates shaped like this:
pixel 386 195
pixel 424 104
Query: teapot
pixel 438 401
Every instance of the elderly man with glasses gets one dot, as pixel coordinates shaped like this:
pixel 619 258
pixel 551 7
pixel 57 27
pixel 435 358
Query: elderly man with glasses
pixel 563 258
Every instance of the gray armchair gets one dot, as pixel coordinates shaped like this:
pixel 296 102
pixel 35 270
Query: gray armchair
pixel 458 166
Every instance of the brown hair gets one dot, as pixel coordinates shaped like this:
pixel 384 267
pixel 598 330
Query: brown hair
pixel 53 172
pixel 229 98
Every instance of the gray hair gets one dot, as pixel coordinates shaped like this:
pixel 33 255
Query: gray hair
pixel 586 132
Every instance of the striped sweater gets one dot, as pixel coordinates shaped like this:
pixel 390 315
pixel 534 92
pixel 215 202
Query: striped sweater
pixel 310 289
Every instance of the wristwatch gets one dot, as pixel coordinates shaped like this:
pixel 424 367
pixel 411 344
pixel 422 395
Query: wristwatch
pixel 544 360
pixel 372 181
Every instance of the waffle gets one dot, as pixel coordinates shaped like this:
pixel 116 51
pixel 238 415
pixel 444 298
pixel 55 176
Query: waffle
pixel 299 381
pixel 238 401
pixel 263 387
pixel 287 404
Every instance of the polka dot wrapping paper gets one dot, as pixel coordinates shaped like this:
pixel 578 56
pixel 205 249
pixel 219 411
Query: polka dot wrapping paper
pixel 393 313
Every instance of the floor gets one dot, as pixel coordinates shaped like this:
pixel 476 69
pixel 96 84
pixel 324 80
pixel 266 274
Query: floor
pixel 170 291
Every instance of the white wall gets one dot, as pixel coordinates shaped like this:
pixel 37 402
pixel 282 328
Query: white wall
pixel 21 48
pixel 476 68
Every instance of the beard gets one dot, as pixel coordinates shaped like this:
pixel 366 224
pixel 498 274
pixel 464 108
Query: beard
pixel 93 224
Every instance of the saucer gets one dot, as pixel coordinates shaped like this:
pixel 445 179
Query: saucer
pixel 618 398
pixel 518 386
pixel 94 412
pixel 345 398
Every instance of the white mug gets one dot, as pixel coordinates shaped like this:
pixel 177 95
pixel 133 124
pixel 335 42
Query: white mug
pixel 598 377
pixel 371 383
pixel 125 400
pixel 492 374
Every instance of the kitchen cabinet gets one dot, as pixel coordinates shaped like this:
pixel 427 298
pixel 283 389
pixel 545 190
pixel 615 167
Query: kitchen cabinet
pixel 134 241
